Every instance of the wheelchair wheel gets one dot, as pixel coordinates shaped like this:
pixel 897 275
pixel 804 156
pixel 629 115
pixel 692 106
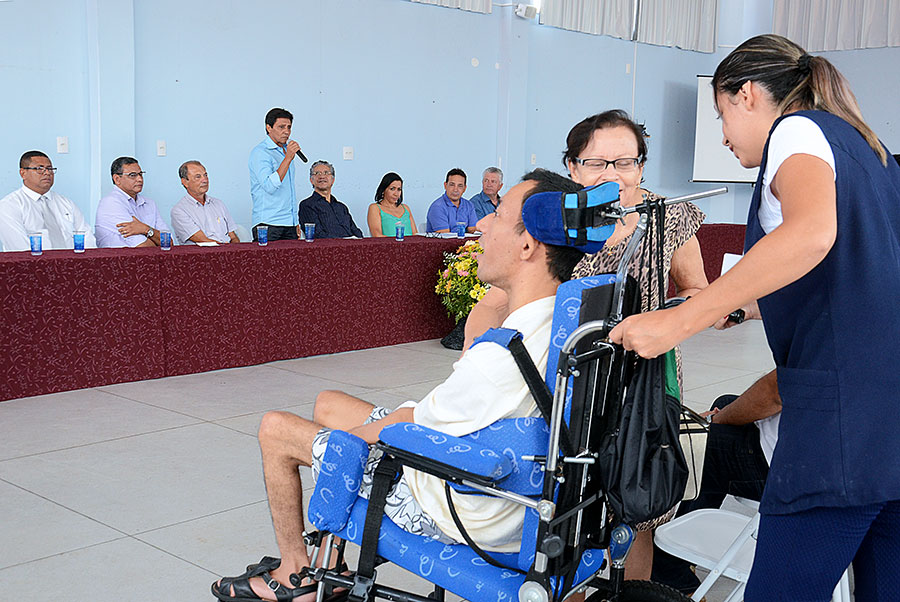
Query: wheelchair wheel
pixel 640 591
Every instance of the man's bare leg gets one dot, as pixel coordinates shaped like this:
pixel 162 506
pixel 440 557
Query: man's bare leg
pixel 285 441
pixel 338 410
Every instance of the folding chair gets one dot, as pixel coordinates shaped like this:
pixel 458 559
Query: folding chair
pixel 722 542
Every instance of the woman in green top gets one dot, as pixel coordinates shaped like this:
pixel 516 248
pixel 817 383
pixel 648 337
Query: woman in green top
pixel 388 209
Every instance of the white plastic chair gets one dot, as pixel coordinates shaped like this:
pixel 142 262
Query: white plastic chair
pixel 722 542
pixel 243 233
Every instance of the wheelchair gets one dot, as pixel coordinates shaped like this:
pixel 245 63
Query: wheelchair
pixel 570 545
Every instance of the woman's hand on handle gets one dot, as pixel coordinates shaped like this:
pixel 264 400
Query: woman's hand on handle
pixel 751 312
pixel 650 334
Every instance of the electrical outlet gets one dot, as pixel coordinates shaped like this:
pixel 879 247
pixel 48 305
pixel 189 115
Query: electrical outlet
pixel 348 153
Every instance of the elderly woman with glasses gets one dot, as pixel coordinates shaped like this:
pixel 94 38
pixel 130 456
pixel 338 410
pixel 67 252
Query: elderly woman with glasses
pixel 611 147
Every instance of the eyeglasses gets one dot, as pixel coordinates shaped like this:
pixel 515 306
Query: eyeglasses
pixel 623 164
pixel 42 169
pixel 132 174
pixel 322 173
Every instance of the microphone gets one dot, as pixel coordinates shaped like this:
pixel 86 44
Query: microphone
pixel 301 155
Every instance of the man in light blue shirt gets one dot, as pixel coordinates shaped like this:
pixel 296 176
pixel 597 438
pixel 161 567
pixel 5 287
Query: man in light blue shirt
pixel 125 217
pixel 451 208
pixel 272 178
pixel 486 201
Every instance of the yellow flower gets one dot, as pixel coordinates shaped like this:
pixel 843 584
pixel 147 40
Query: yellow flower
pixel 457 283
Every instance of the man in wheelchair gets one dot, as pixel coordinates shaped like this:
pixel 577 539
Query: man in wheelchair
pixel 485 386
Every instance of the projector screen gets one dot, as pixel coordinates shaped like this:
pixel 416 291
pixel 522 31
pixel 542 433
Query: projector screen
pixel 713 162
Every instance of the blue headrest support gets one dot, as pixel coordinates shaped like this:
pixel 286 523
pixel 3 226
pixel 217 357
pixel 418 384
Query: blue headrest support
pixel 570 219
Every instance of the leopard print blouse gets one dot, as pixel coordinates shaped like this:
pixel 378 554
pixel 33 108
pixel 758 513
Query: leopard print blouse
pixel 681 223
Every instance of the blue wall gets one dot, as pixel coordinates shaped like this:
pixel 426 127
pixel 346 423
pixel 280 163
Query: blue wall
pixel 397 81
pixel 44 91
pixel 391 79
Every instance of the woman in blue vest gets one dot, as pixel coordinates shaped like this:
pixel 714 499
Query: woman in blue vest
pixel 822 257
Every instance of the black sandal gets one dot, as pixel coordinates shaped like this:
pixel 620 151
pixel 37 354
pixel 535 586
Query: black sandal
pixel 243 592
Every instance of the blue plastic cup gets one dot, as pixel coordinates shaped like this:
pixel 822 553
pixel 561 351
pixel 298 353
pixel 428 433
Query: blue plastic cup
pixel 165 240
pixel 460 229
pixel 262 235
pixel 34 238
pixel 400 231
pixel 78 241
pixel 309 232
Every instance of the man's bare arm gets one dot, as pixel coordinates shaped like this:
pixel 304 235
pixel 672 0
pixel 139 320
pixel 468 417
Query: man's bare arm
pixel 760 401
pixel 370 432
pixel 200 236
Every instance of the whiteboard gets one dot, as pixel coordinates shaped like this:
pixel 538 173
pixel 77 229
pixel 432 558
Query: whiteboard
pixel 713 162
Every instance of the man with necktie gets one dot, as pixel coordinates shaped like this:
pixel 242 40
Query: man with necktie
pixel 36 208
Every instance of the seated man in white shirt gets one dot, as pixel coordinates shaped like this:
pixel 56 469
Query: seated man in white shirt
pixel 125 217
pixel 485 386
pixel 36 208
pixel 198 217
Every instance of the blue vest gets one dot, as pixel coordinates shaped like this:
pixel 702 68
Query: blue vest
pixel 835 337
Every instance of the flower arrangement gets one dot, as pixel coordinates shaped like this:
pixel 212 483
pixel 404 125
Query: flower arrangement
pixel 458 284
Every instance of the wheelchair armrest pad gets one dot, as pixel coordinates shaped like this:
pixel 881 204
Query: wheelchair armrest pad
pixel 338 482
pixel 453 451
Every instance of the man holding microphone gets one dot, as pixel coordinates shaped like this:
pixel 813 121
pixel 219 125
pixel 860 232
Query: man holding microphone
pixel 272 178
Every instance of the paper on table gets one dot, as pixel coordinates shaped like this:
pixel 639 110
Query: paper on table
pixel 208 243
pixel 728 261
pixel 446 234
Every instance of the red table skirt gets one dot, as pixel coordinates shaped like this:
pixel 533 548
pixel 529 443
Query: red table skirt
pixel 115 315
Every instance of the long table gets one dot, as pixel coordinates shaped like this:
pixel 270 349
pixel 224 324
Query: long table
pixel 115 315
pixel 71 321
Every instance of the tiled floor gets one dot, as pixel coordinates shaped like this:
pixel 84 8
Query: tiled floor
pixel 151 490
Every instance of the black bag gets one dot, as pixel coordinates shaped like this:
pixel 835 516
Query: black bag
pixel 642 464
